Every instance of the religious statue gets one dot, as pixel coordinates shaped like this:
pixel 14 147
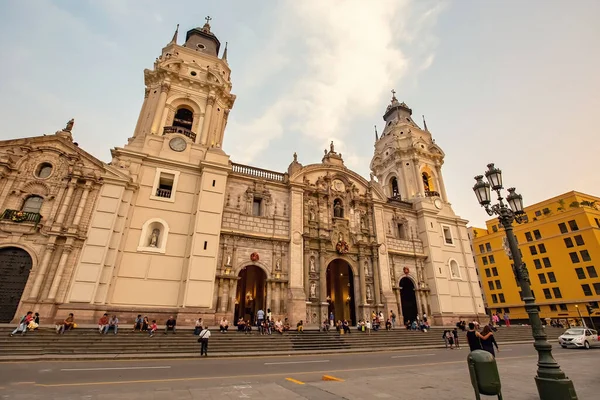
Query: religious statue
pixel 311 214
pixel 313 290
pixel 369 294
pixel 366 268
pixel 154 238
pixel 312 264
pixel 331 148
pixel 278 264
pixel 228 259
pixel 454 269
pixel 69 126
pixel 340 237
pixel 295 157
pixel 362 222
pixel 338 210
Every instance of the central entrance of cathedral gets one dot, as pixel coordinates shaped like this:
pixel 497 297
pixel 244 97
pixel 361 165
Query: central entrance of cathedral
pixel 251 293
pixel 340 291
pixel 408 299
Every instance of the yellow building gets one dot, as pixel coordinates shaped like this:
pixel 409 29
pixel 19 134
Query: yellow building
pixel 560 245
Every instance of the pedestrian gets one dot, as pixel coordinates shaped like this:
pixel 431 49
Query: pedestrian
pixel 455 336
pixel 112 324
pixel 506 319
pixel 203 340
pixel 137 324
pixel 472 338
pixel 68 323
pixel 260 316
pixel 198 327
pixel 171 325
pixel 152 328
pixel 393 317
pixel 331 320
pixel 487 340
pixel 22 327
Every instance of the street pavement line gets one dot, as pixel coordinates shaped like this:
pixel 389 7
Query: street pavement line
pixel 331 378
pixel 204 378
pixel 114 368
pixel 414 355
pixel 295 381
pixel 297 362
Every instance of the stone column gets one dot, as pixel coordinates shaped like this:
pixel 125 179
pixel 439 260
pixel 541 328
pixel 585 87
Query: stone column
pixel 420 186
pixel 82 202
pixel 160 108
pixel 232 295
pixel 362 281
pixel 197 126
pixel 225 295
pixel 419 305
pixel 142 111
pixel 210 101
pixel 322 277
pixel 223 125
pixel 276 298
pixel 306 270
pixel 39 278
pixel 66 202
pixel 399 315
pixel 438 169
pixel 59 271
pixel 269 294
pixel 219 294
pixel 376 278
pixel 356 296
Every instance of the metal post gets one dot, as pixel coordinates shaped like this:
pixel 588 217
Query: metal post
pixel 580 316
pixel 551 381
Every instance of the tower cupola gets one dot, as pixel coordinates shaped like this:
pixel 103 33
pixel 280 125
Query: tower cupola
pixel 203 40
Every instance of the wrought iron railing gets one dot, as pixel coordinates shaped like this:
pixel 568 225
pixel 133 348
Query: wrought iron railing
pixel 166 193
pixel 431 193
pixel 181 130
pixel 258 172
pixel 20 216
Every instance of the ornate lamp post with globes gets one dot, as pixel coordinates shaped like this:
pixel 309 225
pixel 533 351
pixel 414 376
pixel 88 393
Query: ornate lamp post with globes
pixel 551 381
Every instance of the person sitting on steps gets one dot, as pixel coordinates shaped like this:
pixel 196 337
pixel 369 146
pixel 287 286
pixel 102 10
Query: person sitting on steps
pixel 170 325
pixel 224 325
pixel 300 326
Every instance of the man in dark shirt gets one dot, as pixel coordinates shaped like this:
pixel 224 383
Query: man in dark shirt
pixel 472 339
pixel 170 326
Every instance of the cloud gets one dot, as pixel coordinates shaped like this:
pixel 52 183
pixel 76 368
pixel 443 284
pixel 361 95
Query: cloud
pixel 350 56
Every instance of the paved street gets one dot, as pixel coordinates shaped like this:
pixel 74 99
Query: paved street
pixel 425 373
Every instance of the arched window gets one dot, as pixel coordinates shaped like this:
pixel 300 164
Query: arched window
pixel 395 190
pixel 43 170
pixel 33 204
pixel 338 208
pixel 426 181
pixel 184 118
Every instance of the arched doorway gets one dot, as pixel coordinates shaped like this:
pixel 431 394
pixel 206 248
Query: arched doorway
pixel 340 291
pixel 408 299
pixel 251 293
pixel 15 265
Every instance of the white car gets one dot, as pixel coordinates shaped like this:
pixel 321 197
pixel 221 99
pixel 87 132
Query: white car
pixel 579 337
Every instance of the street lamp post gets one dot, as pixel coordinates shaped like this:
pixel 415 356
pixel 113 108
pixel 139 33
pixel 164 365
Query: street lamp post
pixel 580 316
pixel 551 381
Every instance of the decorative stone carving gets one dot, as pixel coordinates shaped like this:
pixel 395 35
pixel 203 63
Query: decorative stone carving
pixel 278 265
pixel 369 294
pixel 154 238
pixel 312 267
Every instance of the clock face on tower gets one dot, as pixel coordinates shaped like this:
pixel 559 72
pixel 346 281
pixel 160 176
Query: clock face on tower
pixel 178 144
pixel 438 204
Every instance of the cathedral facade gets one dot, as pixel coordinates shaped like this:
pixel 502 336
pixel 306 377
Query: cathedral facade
pixel 173 227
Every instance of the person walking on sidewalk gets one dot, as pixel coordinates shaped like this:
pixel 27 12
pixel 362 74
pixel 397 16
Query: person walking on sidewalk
pixel 506 319
pixel 487 340
pixel 203 339
pixel 455 335
pixel 472 339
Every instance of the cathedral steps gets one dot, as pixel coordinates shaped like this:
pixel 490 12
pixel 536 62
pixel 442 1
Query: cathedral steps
pixel 83 343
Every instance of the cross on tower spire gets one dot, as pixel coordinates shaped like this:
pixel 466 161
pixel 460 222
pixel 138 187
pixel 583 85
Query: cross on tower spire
pixel 208 19
pixel 394 95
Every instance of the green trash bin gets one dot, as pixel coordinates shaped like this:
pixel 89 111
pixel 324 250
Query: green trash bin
pixel 484 374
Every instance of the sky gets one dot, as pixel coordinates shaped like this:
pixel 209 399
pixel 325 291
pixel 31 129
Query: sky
pixel 510 82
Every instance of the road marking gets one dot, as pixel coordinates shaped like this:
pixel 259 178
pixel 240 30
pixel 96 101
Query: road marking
pixel 294 381
pixel 414 355
pixel 114 368
pixel 250 376
pixel 297 362
pixel 23 383
pixel 331 378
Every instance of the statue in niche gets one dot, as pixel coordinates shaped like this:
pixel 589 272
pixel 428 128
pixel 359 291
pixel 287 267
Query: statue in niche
pixel 369 294
pixel 338 210
pixel 312 267
pixel 311 214
pixel 313 290
pixel 363 224
pixel 278 264
pixel 228 259
pixel 340 237
pixel 366 268
pixel 454 269
pixel 154 238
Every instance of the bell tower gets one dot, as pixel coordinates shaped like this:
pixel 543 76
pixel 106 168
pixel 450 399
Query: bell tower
pixel 407 162
pixel 188 92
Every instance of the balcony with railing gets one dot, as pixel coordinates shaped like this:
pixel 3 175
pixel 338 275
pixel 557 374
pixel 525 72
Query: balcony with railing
pixel 258 173
pixel 180 130
pixel 431 193
pixel 164 193
pixel 20 216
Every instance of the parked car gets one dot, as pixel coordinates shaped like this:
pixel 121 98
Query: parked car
pixel 579 338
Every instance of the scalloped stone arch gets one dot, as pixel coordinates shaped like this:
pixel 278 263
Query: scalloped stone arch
pixel 30 189
pixel 28 249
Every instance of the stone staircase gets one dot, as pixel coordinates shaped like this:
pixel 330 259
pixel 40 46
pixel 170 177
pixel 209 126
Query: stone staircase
pixel 85 343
